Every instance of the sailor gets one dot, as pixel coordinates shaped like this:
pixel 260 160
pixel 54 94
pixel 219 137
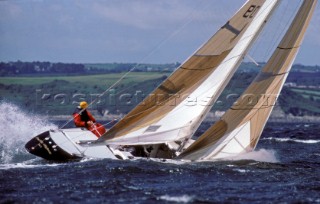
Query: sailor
pixel 82 117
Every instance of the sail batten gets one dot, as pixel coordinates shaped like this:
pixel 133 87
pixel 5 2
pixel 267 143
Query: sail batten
pixel 246 119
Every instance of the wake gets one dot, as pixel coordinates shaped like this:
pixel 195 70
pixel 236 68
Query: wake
pixel 17 128
pixel 261 155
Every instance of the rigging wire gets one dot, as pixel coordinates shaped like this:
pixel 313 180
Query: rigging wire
pixel 265 35
pixel 281 28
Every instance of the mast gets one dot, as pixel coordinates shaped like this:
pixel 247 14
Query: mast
pixel 174 110
pixel 240 128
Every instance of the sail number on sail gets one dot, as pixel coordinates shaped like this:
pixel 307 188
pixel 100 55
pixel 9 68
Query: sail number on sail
pixel 251 11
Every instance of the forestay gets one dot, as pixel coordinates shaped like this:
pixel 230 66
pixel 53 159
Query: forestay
pixel 174 110
pixel 240 127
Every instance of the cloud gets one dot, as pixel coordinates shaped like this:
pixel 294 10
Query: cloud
pixel 152 14
pixel 142 15
pixel 9 10
pixel 314 28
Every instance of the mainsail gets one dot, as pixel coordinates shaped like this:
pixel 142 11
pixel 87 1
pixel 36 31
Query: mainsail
pixel 240 128
pixel 174 110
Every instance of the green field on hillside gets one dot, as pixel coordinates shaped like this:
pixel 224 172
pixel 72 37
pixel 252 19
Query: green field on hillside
pixel 59 95
pixel 99 80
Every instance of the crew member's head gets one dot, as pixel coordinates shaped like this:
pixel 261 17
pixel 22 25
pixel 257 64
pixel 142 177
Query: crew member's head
pixel 83 105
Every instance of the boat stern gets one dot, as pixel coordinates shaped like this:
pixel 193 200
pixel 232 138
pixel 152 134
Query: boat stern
pixel 43 146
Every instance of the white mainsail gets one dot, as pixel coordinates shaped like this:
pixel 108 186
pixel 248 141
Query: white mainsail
pixel 240 128
pixel 176 108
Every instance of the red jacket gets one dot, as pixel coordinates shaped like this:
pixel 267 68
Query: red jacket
pixel 81 118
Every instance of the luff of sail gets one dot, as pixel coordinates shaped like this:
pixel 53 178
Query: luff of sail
pixel 240 128
pixel 165 114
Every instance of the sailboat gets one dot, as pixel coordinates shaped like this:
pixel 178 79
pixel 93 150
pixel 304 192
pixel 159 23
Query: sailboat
pixel 240 128
pixel 165 121
pixel 162 125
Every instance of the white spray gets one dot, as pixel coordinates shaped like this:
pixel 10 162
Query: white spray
pixel 261 155
pixel 17 128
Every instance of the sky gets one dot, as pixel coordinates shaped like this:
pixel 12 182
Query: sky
pixel 138 31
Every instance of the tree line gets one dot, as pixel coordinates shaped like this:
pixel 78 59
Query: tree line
pixel 24 68
pixel 20 68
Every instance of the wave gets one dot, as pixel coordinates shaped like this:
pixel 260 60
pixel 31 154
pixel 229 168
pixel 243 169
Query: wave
pixel 17 128
pixel 177 199
pixel 32 163
pixel 261 155
pixel 292 140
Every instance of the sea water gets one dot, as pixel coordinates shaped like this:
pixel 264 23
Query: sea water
pixel 284 168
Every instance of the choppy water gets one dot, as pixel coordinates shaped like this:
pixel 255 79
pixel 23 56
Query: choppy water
pixel 284 168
